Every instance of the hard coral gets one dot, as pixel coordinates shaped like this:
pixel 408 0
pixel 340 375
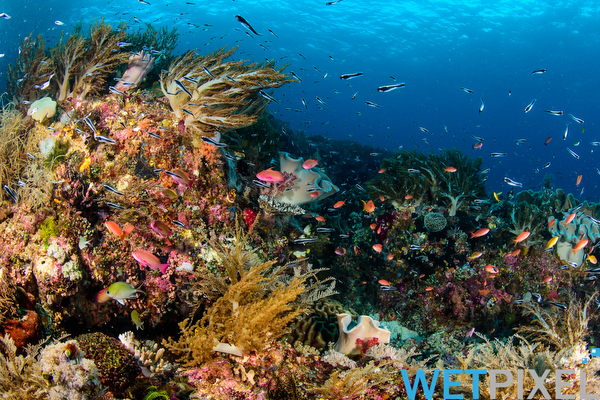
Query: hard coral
pixel 117 367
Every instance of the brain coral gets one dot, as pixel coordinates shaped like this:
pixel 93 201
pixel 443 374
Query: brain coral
pixel 318 326
pixel 434 222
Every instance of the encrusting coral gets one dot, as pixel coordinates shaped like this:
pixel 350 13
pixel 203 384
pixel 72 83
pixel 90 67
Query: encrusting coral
pixel 210 94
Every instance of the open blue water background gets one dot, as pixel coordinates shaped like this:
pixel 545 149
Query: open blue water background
pixel 435 47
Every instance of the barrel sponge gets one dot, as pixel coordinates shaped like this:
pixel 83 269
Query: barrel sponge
pixel 42 109
pixel 308 181
pixel 366 329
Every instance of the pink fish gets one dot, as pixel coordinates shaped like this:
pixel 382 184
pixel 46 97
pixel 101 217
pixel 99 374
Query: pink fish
pixel 160 228
pixel 147 259
pixel 478 145
pixel 308 164
pixel 470 332
pixel 179 176
pixel 139 65
pixel 269 175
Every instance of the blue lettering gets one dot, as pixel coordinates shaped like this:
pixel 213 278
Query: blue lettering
pixel 419 377
pixel 448 384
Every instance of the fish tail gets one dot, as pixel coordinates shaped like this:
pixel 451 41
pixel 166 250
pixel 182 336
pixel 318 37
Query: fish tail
pixel 163 268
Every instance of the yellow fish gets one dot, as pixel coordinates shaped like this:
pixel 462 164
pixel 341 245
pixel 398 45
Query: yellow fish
pixel 475 255
pixel 135 318
pixel 496 197
pixel 551 242
pixel 592 259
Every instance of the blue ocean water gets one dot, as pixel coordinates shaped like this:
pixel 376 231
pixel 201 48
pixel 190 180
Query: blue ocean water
pixel 435 47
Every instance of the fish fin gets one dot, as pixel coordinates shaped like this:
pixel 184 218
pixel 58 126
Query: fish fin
pixel 163 268
pixel 120 301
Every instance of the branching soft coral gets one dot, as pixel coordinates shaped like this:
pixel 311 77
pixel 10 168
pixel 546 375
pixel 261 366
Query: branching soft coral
pixel 418 175
pixel 20 376
pixel 558 328
pixel 83 64
pixel 458 187
pixel 31 69
pixel 247 317
pixel 12 141
pixel 210 93
pixel 255 302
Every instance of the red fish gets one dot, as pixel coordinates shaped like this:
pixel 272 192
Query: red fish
pixel 339 204
pixel 480 232
pixel 160 228
pixel 377 247
pixel 147 259
pixel 369 206
pixel 522 236
pixel 308 164
pixel 478 145
pixel 570 219
pixel 580 245
pixel 450 169
pixel 269 175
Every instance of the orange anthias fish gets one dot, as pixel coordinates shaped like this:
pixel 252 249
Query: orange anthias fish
pixel 521 237
pixel 339 204
pixel 578 180
pixel 115 229
pixel 390 257
pixel 383 282
pixel 314 195
pixel 450 169
pixel 491 269
pixel 547 279
pixel 269 175
pixel 408 197
pixel 551 223
pixel 308 164
pixel 382 170
pixel 377 247
pixel 369 206
pixel 548 140
pixel 480 232
pixel 320 218
pixel 570 219
pixel 580 245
